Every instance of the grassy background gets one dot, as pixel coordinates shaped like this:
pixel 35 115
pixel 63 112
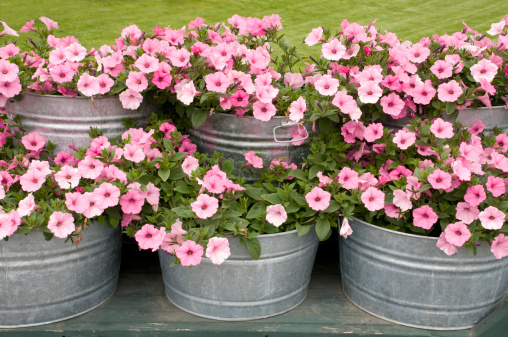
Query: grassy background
pixel 96 22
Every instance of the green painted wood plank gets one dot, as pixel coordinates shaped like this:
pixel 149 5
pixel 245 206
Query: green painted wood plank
pixel 140 308
pixel 496 324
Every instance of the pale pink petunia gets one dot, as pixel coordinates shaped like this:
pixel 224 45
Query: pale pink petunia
pixel 105 83
pixel 33 141
pixel 500 246
pixel 189 165
pixel 466 213
pixel 440 179
pixel 49 23
pixel 484 69
pixel 130 99
pixel 475 195
pixel 326 85
pixel 8 71
pixel 449 91
pixel 137 81
pixel 32 180
pixel 424 217
pixel 318 199
pixel 345 229
pixel 402 200
pixel 462 172
pixel 404 139
pixel 373 132
pixel 205 206
pixel 152 194
pixel 218 250
pixel 392 104
pixel 417 53
pixel 217 82
pixel 333 50
pixel 9 223
pixel 75 52
pixel 446 246
pixel 442 129
pixel 263 111
pixel 294 80
pixel 253 160
pixel 68 177
pixel 107 195
pixel 132 201
pixel 348 178
pixel 185 92
pixel 276 214
pixel 214 184
pixel 7 30
pixel 149 237
pixel 373 199
pixel 189 253
pixel 147 64
pixel 423 93
pixel 76 202
pixel 345 102
pixel 27 205
pixel 457 233
pixel 90 168
pixel 10 89
pixel 61 224
pixel 369 92
pixel 134 153
pixel 314 36
pixel 94 208
pixel 297 109
pixel 496 186
pixel 492 218
pixel 442 69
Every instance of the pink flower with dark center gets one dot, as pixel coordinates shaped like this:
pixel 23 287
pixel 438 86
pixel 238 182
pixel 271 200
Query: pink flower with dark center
pixel 446 246
pixel 239 98
pixel 492 218
pixel 496 186
pixel 449 91
pixel 440 179
pixel 276 215
pixel 404 139
pixel 314 36
pixel 8 71
pixel 442 129
pixel 132 201
pixel 217 82
pixel 502 142
pixel 9 223
pixel 189 165
pixel 417 53
pixel 205 206
pixel 214 184
pixel 161 80
pixel 147 64
pixel 423 93
pixel 61 224
pixel 333 50
pixel 392 82
pixel 373 132
pixel 27 205
pixel 149 237
pixel 457 233
pixel 217 250
pixel 75 52
pixel 68 177
pixel 348 178
pixel 326 85
pixel 76 202
pixel 33 141
pixel 130 99
pixel 500 246
pixel 88 85
pixel 467 213
pixel 442 69
pixel 90 167
pixel 369 92
pixel 137 81
pixel 392 211
pixel 263 111
pixel 107 195
pixel 180 57
pixel 424 217
pixel 318 199
pixel 402 200
pixel 373 199
pixel 392 104
pixel 32 180
pixel 185 92
pixel 133 153
pixel 484 69
pixel 189 253
pixel 105 83
pixel 253 160
pixel 297 109
pixel 345 229
pixel 94 207
pixel 345 102
pixel 8 51
pixel 475 195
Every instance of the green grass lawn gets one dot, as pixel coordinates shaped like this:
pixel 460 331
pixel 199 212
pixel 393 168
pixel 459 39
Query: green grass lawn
pixel 96 22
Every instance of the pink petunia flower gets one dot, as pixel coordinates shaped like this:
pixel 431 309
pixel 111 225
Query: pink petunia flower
pixel 32 180
pixel 68 177
pixel 133 152
pixel 446 246
pixel 402 200
pixel 423 93
pixel 61 224
pixel 404 139
pixel 217 82
pixel 500 246
pixel 33 141
pixel 297 109
pixel 27 206
pixel 373 132
pixel 147 64
pixel 276 214
pixel 94 208
pixel 484 69
pixel 185 92
pixel 318 199
pixel 457 233
pixel 345 229
pixel 76 202
pixel 496 186
pixel 314 36
pixel 189 253
pixel 90 168
pixel 130 99
pixel 442 69
pixel 132 201
pixel 348 178
pixel 466 213
pixel 107 195
pixel 152 194
pixel 263 111
pixel 492 218
pixel 333 50
pixel 9 223
pixel 253 160
pixel 326 85
pixel 373 199
pixel 345 103
pixel 49 23
pixel 475 195
pixel 370 92
pixel 149 237
pixel 440 179
pixel 205 206
pixel 218 250
pixel 392 104
pixel 442 129
pixel 449 91
pixel 424 217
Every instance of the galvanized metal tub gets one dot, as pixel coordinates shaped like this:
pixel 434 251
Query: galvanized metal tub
pixel 48 281
pixel 242 288
pixel 233 136
pixel 406 279
pixel 67 120
pixel 497 116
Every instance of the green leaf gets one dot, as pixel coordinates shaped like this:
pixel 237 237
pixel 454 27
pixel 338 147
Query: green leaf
pixel 299 174
pixel 300 200
pixel 164 174
pixel 177 156
pixel 272 198
pixel 198 118
pixel 269 187
pixel 314 171
pixel 177 173
pixel 333 207
pixel 183 212
pixel 254 247
pixel 323 229
pixel 228 166
pixel 231 214
pixel 184 189
pixel 292 208
pixel 256 193
pixel 325 125
pixel 257 210
pixel 302 230
pixel 451 107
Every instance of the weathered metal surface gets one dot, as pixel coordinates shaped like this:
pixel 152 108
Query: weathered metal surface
pixel 67 120
pixel 47 281
pixel 242 288
pixel 406 279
